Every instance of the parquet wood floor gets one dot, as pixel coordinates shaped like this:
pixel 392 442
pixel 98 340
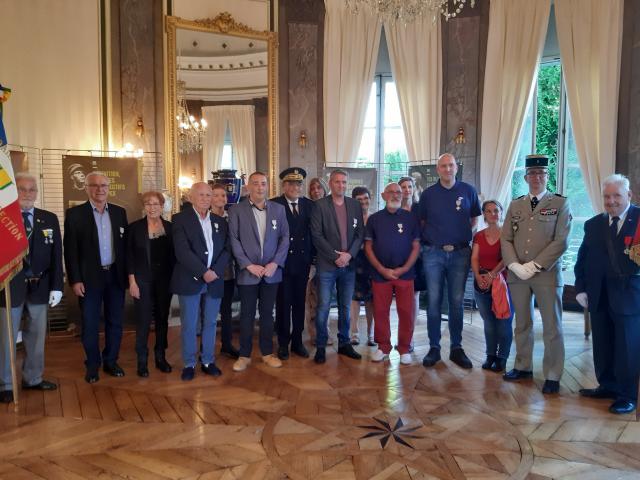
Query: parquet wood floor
pixel 344 420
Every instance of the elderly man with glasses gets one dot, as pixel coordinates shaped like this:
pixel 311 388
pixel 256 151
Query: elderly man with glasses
pixel 534 237
pixel 392 245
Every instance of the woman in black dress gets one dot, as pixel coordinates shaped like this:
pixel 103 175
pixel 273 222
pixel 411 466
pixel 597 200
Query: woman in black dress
pixel 150 261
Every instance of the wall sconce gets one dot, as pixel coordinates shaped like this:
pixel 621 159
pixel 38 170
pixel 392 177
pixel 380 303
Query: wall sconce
pixel 302 139
pixel 139 128
pixel 459 138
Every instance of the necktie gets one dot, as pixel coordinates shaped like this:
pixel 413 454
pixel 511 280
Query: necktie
pixel 27 224
pixel 614 227
pixel 534 203
pixel 294 205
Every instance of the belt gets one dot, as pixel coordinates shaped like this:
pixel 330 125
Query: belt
pixel 451 248
pixel 106 267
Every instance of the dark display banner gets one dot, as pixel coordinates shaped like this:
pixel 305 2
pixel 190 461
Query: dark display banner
pixel 427 175
pixel 125 181
pixel 359 177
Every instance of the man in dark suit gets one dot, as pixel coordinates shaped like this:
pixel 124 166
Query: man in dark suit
pixel 337 230
pixel 260 241
pixel 293 289
pixel 95 245
pixel 608 284
pixel 201 245
pixel 38 283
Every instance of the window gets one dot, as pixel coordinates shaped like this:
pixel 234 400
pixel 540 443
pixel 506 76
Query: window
pixel 228 159
pixel 547 129
pixel 383 145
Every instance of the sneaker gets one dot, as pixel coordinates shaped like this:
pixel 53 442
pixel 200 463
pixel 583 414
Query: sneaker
pixel 355 340
pixel 431 358
pixel 371 342
pixel 272 361
pixel 241 364
pixel 458 357
pixel 405 359
pixel 379 356
pixel 329 341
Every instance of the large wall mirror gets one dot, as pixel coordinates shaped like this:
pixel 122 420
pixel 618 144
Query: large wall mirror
pixel 221 102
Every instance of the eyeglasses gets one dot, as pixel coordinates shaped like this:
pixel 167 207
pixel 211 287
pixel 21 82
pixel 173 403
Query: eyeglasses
pixel 98 185
pixel 394 192
pixel 536 173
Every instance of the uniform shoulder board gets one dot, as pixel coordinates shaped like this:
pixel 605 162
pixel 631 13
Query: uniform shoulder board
pixel 558 195
pixel 521 196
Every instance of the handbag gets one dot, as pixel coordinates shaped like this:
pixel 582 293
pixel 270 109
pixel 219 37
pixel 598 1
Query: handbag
pixel 500 304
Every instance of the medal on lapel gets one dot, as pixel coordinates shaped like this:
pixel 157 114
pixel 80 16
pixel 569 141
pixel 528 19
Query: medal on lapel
pixel 215 225
pixel 274 224
pixel 633 246
pixel 121 232
pixel 48 236
pixel 458 203
pixel 627 244
pixel 400 228
pixel 355 223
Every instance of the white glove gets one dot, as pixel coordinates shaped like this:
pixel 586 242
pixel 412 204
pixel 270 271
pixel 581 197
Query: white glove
pixel 521 271
pixel 54 297
pixel 531 267
pixel 582 299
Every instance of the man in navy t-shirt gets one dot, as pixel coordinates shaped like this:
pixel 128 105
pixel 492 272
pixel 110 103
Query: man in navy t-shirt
pixel 448 212
pixel 392 245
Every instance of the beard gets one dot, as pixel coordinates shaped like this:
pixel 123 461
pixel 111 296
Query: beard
pixel 394 204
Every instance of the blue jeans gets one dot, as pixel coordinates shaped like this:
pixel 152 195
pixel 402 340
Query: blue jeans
pixel 344 279
pixel 454 267
pixel 189 317
pixel 497 332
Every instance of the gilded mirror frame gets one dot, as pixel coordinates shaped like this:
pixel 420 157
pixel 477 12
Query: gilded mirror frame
pixel 223 23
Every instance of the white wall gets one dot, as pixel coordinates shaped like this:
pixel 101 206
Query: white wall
pixel 50 58
pixel 253 13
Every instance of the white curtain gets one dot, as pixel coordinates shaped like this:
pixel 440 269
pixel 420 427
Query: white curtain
pixel 350 53
pixel 213 143
pixel 416 61
pixel 243 136
pixel 590 38
pixel 517 30
pixel 50 58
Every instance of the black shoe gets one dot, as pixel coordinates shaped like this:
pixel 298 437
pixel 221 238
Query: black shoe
pixel 499 365
pixel 163 365
pixel 211 369
pixel 320 356
pixel 300 350
pixel 460 358
pixel 114 370
pixel 622 406
pixel 551 386
pixel 489 362
pixel 6 396
pixel 91 376
pixel 230 352
pixel 188 373
pixel 142 370
pixel 43 385
pixel 515 375
pixel 371 343
pixel 597 393
pixel 348 351
pixel 431 358
pixel 283 353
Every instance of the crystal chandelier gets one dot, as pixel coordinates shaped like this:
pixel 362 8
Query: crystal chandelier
pixel 190 131
pixel 408 10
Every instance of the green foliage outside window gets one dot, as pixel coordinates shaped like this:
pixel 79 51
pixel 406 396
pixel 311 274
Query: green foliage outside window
pixel 547 118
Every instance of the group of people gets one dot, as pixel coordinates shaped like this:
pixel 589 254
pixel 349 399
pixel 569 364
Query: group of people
pixel 293 253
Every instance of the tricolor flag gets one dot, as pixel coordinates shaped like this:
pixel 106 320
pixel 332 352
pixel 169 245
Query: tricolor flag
pixel 13 238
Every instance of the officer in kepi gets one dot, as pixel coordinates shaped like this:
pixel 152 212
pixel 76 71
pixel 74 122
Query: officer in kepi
pixel 290 302
pixel 534 237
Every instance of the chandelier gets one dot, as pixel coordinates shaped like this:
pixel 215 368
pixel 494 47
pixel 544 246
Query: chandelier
pixel 408 10
pixel 190 131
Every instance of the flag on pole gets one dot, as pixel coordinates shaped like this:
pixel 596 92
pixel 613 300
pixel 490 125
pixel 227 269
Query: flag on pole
pixel 13 237
pixel 5 93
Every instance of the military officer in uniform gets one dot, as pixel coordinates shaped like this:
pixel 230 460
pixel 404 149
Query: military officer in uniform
pixel 290 302
pixel 534 237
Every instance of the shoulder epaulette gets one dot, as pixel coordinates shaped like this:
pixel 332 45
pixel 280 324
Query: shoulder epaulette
pixel 558 195
pixel 521 196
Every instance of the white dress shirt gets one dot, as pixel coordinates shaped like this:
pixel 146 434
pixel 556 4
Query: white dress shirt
pixel 207 230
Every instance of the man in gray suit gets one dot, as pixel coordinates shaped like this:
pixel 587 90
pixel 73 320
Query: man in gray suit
pixel 259 235
pixel 534 237
pixel 337 230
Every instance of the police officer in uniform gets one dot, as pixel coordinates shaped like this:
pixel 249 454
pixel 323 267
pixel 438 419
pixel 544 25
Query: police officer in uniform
pixel 291 299
pixel 534 237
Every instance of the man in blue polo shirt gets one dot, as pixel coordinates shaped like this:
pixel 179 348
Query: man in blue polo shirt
pixel 448 212
pixel 392 245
